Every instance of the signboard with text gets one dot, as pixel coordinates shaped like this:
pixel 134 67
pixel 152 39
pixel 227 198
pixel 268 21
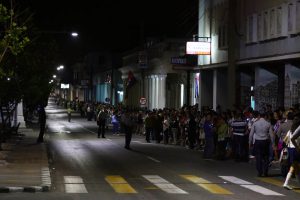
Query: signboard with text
pixel 198 48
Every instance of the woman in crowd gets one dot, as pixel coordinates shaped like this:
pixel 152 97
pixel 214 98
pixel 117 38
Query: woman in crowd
pixel 292 140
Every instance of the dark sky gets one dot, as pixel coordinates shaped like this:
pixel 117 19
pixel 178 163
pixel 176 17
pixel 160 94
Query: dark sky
pixel 116 25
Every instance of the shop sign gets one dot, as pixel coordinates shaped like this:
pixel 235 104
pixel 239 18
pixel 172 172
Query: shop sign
pixel 64 86
pixel 178 60
pixel 198 48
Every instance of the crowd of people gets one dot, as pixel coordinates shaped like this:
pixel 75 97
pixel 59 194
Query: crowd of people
pixel 269 136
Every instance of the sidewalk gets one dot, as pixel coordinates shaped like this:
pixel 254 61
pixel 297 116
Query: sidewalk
pixel 24 164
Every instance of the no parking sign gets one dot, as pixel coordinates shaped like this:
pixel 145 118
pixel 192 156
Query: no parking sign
pixel 143 101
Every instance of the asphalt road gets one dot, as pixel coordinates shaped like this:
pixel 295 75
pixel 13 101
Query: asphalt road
pixel 86 167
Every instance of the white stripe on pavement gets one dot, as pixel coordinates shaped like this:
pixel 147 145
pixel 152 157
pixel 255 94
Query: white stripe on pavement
pixel 164 184
pixel 235 180
pixel 75 188
pixel 262 190
pixel 250 186
pixel 153 159
pixel 74 184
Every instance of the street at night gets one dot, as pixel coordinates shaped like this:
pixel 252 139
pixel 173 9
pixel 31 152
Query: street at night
pixel 175 100
pixel 86 167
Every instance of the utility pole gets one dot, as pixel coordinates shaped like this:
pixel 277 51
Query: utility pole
pixel 232 38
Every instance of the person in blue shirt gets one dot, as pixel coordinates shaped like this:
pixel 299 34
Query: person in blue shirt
pixel 209 137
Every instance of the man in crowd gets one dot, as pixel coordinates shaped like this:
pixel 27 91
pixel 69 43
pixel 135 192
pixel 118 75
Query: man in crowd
pixel 239 128
pixel 263 134
pixel 101 121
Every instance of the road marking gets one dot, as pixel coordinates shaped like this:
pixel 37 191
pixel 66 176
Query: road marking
pixel 75 188
pixel 73 179
pixel 164 184
pixel 45 176
pixel 120 185
pixel 207 185
pixel 250 186
pixel 153 159
pixel 275 182
pixel 74 184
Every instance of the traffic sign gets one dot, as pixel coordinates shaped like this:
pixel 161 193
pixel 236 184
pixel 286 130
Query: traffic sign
pixel 143 101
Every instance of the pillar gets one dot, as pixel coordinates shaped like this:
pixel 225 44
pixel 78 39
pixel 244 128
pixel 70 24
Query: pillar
pixel 215 89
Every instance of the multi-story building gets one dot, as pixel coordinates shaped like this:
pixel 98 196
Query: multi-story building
pixel 155 80
pixel 253 40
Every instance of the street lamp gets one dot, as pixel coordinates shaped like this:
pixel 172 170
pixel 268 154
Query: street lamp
pixel 74 34
pixel 54 76
pixel 60 67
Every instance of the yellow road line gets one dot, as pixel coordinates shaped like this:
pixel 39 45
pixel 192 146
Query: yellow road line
pixel 207 185
pixel 120 185
pixel 276 182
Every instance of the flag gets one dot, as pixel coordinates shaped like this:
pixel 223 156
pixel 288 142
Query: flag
pixel 130 82
pixel 196 87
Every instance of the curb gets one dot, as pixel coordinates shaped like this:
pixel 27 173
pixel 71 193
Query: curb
pixel 45 187
pixel 31 189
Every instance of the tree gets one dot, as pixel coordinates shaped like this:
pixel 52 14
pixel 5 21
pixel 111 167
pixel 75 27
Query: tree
pixel 35 68
pixel 13 37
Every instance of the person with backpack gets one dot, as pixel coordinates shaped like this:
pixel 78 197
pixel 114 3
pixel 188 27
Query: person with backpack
pixel 101 121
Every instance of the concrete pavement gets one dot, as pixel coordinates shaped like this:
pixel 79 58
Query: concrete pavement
pixel 24 164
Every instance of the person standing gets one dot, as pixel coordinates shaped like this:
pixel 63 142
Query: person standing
pixel 148 126
pixel 42 120
pixel 263 134
pixel 128 123
pixel 115 123
pixel 222 132
pixel 192 131
pixel 209 137
pixel 69 111
pixel 239 128
pixel 101 120
pixel 166 130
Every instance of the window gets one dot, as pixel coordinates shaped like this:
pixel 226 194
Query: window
pixel 291 18
pixel 279 21
pixel 298 16
pixel 272 23
pixel 260 27
pixel 266 25
pixel 222 37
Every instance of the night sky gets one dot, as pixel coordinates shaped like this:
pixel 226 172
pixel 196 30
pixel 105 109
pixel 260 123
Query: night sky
pixel 115 25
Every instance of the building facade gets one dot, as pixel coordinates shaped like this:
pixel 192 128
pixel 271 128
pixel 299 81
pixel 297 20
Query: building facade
pixel 255 53
pixel 155 78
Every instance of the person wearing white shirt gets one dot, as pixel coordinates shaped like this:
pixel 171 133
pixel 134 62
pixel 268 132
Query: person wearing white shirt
pixel 292 140
pixel 263 134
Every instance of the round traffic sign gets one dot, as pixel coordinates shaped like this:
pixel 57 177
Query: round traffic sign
pixel 143 101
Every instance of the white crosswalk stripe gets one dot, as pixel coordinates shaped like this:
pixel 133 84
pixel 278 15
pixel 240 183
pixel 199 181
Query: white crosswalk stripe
pixel 250 186
pixel 74 184
pixel 164 184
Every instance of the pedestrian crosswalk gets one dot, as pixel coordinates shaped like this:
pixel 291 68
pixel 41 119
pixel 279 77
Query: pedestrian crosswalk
pixel 182 183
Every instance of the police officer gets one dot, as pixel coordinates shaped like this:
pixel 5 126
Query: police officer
pixel 263 134
pixel 128 123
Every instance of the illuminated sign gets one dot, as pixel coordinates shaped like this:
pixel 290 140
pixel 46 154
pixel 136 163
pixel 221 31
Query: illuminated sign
pixel 198 48
pixel 64 86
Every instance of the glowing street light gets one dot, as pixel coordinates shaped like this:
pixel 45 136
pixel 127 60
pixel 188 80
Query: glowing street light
pixel 74 34
pixel 60 67
pixel 54 76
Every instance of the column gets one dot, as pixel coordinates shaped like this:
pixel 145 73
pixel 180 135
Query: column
pixel 156 92
pixel 20 116
pixel 152 92
pixel 146 90
pixel 215 88
pixel 163 91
